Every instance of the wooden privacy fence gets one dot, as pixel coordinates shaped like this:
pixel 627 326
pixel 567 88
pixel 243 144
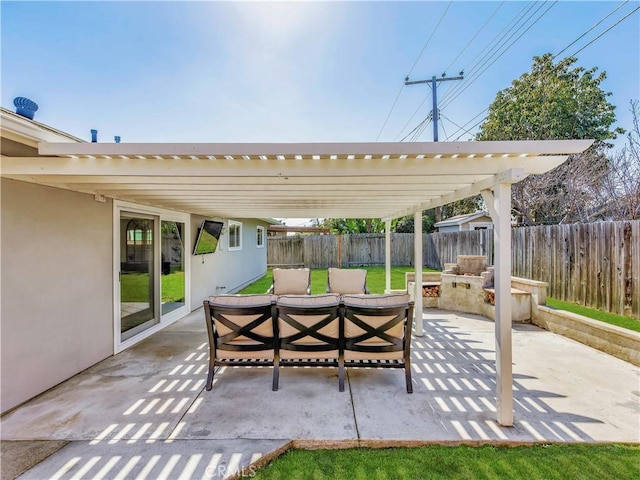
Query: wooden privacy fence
pixel 323 251
pixel 595 264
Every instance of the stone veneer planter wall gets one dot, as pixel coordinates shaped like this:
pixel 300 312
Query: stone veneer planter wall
pixel 616 341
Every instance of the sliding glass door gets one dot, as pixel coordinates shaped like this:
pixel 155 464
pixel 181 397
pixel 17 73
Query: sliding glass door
pixel 172 280
pixel 151 271
pixel 137 274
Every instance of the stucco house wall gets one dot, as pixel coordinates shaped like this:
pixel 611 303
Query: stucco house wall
pixel 226 271
pixel 56 316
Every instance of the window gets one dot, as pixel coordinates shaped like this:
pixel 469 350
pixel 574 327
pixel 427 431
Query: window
pixel 260 237
pixel 235 235
pixel 480 225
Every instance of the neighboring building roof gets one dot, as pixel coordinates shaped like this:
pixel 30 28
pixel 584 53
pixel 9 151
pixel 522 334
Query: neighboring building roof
pixel 293 229
pixel 271 221
pixel 460 219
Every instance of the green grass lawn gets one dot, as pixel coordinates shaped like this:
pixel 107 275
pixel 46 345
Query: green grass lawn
pixel 543 462
pixel 611 318
pixel 375 280
pixel 134 287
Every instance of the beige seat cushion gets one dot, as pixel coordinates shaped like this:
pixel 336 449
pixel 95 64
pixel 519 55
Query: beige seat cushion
pixel 290 281
pixel 346 281
pixel 328 300
pixel 376 301
pixel 241 300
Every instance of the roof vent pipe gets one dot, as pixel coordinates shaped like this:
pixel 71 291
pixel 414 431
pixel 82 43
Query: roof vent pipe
pixel 94 135
pixel 25 107
pixel 117 138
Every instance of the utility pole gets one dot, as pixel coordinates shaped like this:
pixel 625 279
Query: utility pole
pixel 434 112
pixel 434 96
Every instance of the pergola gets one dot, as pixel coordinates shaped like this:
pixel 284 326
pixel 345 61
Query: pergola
pixel 317 180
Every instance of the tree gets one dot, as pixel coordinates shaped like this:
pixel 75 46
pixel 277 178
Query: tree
pixel 462 207
pixel 354 225
pixel 554 102
pixel 619 195
pixel 405 224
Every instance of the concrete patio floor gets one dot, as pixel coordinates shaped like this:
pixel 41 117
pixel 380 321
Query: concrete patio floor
pixel 145 414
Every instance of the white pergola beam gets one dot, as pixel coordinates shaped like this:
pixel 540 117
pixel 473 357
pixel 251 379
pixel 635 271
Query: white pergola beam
pixel 321 170
pixel 511 175
pixel 417 301
pixel 526 147
pixel 425 182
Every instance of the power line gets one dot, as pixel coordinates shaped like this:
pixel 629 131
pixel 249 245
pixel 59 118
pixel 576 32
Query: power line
pixel 474 37
pixel 455 124
pixel 491 46
pixel 411 70
pixel 417 135
pixel 389 114
pixel 474 125
pixel 585 33
pixel 618 22
pixel 442 123
pixel 429 39
pixel 425 122
pixel 471 81
pixel 419 130
pixel 576 52
pixel 411 117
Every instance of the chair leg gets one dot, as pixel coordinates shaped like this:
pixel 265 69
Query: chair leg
pixel 407 374
pixel 276 372
pixel 212 369
pixel 341 374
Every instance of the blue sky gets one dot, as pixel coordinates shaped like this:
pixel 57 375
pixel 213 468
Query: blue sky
pixel 288 72
pixel 293 72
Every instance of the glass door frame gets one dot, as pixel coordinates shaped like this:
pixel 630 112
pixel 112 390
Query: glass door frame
pixel 123 238
pixel 162 321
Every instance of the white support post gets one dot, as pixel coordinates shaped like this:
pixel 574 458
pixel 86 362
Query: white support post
pixel 417 299
pixel 499 206
pixel 387 255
